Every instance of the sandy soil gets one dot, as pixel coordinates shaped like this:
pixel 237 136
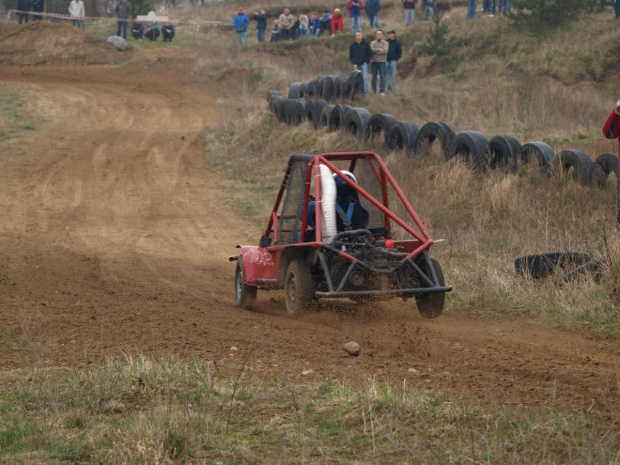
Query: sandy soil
pixel 114 239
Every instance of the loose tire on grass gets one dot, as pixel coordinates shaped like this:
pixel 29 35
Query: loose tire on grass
pixel 540 266
pixel 324 119
pixel 314 108
pixel 336 117
pixel 377 124
pixel 293 90
pixel 429 133
pixel 313 90
pixel 356 121
pixel 298 288
pixel 593 268
pixel 543 153
pixel 402 136
pixel 431 305
pixel 504 153
pixel 577 165
pixel 604 165
pixel 471 146
pixel 245 296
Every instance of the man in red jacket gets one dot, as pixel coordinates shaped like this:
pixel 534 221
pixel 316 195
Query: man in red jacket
pixel 611 130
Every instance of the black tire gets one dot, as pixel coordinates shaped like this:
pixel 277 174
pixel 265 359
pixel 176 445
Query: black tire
pixel 356 121
pixel 274 105
pixel 604 165
pixel 293 90
pixel 578 165
pixel 295 111
pixel 314 108
pixel 324 119
pixel 298 288
pixel 280 108
pixel 302 89
pixel 504 153
pixel 340 86
pixel 471 146
pixel 431 305
pixel 379 124
pixel 313 90
pixel 402 136
pixel 431 132
pixel 328 87
pixel 336 117
pixel 592 268
pixel 245 296
pixel 271 95
pixel 354 85
pixel 543 153
pixel 540 266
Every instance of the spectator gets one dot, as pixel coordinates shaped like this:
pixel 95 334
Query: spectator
pixel 76 10
pixel 314 26
pixel 409 6
pixel 123 12
pixel 37 6
pixel 611 130
pixel 241 23
pixel 23 5
pixel 372 11
pixel 137 29
pixel 488 6
pixel 261 25
pixel 152 31
pixel 471 8
pixel 429 10
pixel 504 7
pixel 286 22
pixel 394 53
pixel 326 22
pixel 360 55
pixel 379 48
pixel 614 3
pixel 295 28
pixel 337 22
pixel 275 33
pixel 304 30
pixel 167 31
pixel 355 8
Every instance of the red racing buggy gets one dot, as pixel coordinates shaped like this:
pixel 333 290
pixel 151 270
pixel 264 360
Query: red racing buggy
pixel 341 227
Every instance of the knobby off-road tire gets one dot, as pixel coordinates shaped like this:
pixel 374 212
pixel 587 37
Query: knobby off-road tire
pixel 293 90
pixel 324 119
pixel 540 266
pixel 504 153
pixel 402 136
pixel 429 133
pixel 471 146
pixel 578 165
pixel 336 117
pixel 328 87
pixel 314 108
pixel 378 124
pixel 431 305
pixel 604 165
pixel 245 296
pixel 542 152
pixel 298 288
pixel 356 121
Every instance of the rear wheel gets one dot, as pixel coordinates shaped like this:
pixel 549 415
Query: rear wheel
pixel 298 287
pixel 245 296
pixel 431 305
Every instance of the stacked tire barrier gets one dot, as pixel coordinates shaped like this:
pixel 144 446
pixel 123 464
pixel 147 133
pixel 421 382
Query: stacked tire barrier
pixel 501 152
pixel 329 88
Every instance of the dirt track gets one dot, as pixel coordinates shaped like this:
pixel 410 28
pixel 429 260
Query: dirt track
pixel 114 237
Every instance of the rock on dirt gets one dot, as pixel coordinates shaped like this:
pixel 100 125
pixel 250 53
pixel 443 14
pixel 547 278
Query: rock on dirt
pixel 118 42
pixel 352 348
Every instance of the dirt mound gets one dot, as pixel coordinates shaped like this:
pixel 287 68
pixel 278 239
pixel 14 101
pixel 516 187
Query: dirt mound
pixel 41 43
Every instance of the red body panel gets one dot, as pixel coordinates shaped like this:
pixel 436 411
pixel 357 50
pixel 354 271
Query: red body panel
pixel 259 263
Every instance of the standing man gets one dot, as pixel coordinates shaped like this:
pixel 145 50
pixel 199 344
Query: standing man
pixel 261 25
pixel 372 11
pixel 123 12
pixel 471 8
pixel 355 8
pixel 23 5
pixel 38 6
pixel 394 53
pixel 286 22
pixel 379 48
pixel 241 23
pixel 611 130
pixel 360 55
pixel 409 6
pixel 76 10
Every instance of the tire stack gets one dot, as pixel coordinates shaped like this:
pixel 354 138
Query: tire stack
pixel 329 88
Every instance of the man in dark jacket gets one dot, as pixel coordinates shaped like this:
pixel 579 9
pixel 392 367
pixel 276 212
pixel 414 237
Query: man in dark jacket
pixel 167 31
pixel 394 53
pixel 261 25
pixel 372 11
pixel 360 55
pixel 137 30
pixel 123 12
pixel 38 6
pixel 23 5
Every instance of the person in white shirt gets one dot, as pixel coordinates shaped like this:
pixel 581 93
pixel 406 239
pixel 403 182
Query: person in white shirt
pixel 76 10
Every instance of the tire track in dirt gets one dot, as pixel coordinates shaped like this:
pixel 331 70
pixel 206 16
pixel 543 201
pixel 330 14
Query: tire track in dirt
pixel 115 238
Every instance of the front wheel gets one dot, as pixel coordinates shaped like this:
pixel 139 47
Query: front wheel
pixel 298 288
pixel 245 296
pixel 431 305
